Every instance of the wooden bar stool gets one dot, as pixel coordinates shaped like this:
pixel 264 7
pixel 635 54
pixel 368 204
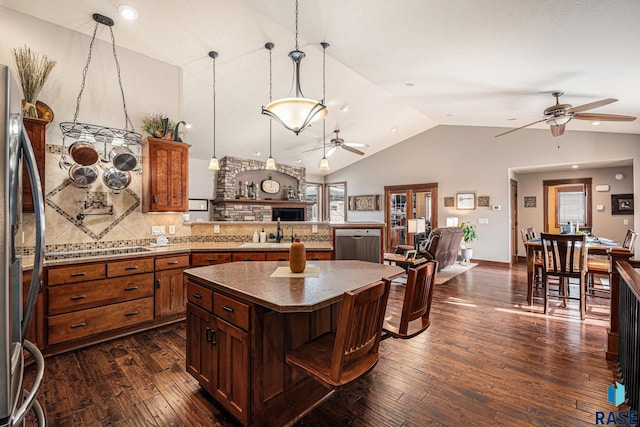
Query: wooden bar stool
pixel 336 359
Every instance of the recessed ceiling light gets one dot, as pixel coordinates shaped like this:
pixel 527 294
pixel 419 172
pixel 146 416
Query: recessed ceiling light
pixel 394 130
pixel 127 12
pixel 410 84
pixel 257 153
pixel 575 167
pixel 596 123
pixel 512 118
pixel 344 108
pixel 449 115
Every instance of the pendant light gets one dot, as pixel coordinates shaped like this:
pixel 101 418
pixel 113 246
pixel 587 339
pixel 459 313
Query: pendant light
pixel 297 112
pixel 324 162
pixel 271 163
pixel 214 165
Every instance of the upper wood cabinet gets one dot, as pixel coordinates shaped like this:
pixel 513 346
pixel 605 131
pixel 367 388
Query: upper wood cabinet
pixel 165 176
pixel 36 130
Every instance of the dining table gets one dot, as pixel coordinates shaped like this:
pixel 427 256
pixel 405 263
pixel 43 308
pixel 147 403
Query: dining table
pixel 595 246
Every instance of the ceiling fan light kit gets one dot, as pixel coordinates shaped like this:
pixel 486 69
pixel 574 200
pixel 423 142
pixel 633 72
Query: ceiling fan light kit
pixel 558 115
pixel 297 112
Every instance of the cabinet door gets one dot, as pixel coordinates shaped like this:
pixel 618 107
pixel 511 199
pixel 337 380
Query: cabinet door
pixel 165 188
pixel 200 349
pixel 170 292
pixel 36 130
pixel 35 333
pixel 231 369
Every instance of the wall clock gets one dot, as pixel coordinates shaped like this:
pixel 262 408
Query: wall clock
pixel 270 185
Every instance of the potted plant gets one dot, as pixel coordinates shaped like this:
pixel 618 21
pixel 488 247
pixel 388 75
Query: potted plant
pixel 469 234
pixel 33 72
pixel 158 126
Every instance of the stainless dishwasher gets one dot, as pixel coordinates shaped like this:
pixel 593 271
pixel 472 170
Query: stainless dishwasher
pixel 358 243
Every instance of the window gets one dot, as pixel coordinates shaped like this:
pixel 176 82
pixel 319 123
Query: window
pixel 336 194
pixel 571 202
pixel 313 193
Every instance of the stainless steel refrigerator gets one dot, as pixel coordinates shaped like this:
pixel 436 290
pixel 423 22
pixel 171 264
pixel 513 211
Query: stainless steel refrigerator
pixel 16 398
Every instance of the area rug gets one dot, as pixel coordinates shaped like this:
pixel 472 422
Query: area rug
pixel 452 271
pixel 443 275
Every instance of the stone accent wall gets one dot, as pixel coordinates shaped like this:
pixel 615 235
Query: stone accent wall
pixel 253 171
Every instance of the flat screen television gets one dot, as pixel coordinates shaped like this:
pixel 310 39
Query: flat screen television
pixel 287 214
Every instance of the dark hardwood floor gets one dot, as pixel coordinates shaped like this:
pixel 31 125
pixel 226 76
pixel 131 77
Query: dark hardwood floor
pixel 487 359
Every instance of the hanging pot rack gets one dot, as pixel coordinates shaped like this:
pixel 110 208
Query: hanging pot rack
pixel 104 134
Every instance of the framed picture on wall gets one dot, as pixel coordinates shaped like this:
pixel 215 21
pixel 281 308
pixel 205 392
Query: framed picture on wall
pixel 466 201
pixel 622 204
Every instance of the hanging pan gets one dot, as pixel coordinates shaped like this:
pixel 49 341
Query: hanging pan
pixel 122 158
pixel 116 179
pixel 84 152
pixel 83 175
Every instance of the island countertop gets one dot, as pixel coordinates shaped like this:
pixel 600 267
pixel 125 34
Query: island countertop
pixel 252 281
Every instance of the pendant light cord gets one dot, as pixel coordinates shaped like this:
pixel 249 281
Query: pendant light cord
pixel 325 45
pixel 270 47
pixel 297 25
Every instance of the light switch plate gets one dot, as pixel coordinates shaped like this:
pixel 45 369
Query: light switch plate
pixel 599 207
pixel 314 228
pixel 172 229
pixel 216 228
pixel 483 220
pixel 625 222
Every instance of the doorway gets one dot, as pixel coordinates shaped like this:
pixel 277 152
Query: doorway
pixel 566 201
pixel 404 202
pixel 514 221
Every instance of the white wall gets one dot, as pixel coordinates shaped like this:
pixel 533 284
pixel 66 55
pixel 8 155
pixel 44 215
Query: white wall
pixel 150 86
pixel 467 158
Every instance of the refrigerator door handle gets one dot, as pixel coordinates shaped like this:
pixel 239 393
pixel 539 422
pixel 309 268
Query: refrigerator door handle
pixel 29 398
pixel 38 208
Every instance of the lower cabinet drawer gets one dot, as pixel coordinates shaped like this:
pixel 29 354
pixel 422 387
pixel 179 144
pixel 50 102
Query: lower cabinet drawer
pixel 199 259
pixel 80 296
pixel 231 310
pixel 200 296
pixel 80 324
pixel 249 256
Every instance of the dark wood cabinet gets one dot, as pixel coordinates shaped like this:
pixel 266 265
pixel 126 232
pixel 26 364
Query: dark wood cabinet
pixel 36 130
pixel 199 259
pixel 218 347
pixel 171 287
pixel 165 176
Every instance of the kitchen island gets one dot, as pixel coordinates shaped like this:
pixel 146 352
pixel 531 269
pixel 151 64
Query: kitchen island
pixel 241 321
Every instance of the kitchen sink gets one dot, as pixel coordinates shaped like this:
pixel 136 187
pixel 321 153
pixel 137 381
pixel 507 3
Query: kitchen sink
pixel 95 252
pixel 266 245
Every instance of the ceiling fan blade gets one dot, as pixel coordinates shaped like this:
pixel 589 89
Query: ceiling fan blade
pixel 355 144
pixel 557 130
pixel 312 149
pixel 604 117
pixel 353 150
pixel 331 151
pixel 591 105
pixel 521 127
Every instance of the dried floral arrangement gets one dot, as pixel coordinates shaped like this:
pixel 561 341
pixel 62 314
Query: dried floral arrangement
pixel 33 72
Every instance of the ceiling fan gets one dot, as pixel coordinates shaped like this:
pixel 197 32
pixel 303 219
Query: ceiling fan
pixel 339 142
pixel 557 116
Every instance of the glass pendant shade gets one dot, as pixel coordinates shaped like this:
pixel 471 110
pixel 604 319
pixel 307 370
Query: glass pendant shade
pixel 559 121
pixel 295 113
pixel 271 164
pixel 214 165
pixel 324 164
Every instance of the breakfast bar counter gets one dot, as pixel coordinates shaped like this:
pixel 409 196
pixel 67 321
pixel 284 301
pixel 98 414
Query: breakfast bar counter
pixel 242 319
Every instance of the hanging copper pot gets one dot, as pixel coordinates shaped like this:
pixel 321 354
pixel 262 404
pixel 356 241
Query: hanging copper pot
pixel 83 175
pixel 84 152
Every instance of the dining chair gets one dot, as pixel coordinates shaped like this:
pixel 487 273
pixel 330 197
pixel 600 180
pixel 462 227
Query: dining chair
pixel 337 359
pixel 407 313
pixel 564 258
pixel 527 234
pixel 601 265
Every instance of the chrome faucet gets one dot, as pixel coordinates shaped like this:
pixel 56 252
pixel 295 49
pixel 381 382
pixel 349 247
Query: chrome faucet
pixel 293 236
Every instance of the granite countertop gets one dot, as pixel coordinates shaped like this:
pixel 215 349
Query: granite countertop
pixel 146 251
pixel 252 282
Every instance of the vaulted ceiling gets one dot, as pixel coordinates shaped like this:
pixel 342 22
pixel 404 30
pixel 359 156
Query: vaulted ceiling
pixel 403 65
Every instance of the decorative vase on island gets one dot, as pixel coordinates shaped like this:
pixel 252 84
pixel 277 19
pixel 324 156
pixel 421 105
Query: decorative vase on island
pixel 297 257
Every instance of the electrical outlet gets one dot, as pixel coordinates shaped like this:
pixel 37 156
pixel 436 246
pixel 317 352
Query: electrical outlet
pixel 314 228
pixel 157 230
pixel 216 228
pixel 626 222
pixel 172 229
